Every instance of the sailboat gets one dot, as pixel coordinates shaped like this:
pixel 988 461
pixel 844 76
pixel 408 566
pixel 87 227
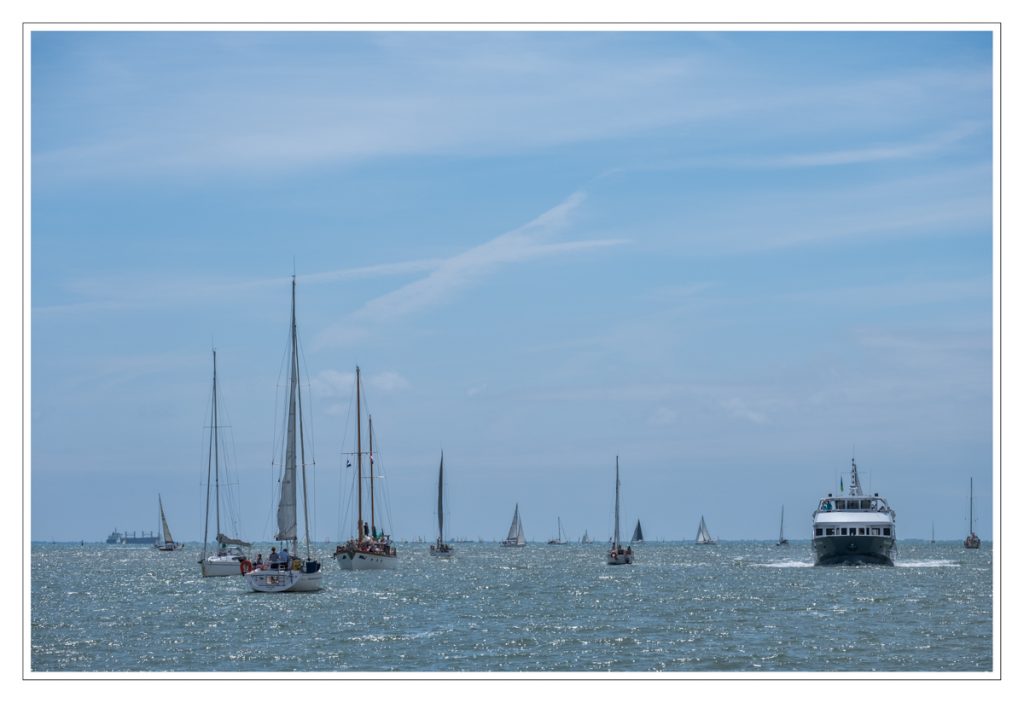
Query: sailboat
pixel 440 549
pixel 638 533
pixel 560 539
pixel 168 545
pixel 295 574
pixel 228 559
pixel 586 538
pixel 703 536
pixel 370 549
pixel 617 555
pixel 972 541
pixel 782 521
pixel 515 532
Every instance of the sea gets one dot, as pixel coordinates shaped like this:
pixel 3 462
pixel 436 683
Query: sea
pixel 686 608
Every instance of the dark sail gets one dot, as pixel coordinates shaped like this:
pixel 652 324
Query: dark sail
pixel 638 533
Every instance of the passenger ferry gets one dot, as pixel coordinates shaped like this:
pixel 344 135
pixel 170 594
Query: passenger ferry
pixel 854 529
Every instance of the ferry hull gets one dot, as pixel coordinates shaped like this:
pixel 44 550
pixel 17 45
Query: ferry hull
pixel 855 549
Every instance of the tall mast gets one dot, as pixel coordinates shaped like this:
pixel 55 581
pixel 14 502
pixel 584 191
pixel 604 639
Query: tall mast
pixel 373 516
pixel 214 439
pixel 616 541
pixel 971 525
pixel 359 463
pixel 440 504
pixel 302 434
pixel 209 457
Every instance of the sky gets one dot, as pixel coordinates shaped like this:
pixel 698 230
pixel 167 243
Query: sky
pixel 732 259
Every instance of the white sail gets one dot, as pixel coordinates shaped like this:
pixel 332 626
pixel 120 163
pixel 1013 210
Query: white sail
pixel 703 536
pixel 516 537
pixel 163 522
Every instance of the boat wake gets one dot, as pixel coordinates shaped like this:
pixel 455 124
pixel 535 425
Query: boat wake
pixel 927 563
pixel 787 564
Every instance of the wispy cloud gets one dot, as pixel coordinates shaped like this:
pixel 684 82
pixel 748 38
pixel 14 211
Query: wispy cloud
pixel 460 271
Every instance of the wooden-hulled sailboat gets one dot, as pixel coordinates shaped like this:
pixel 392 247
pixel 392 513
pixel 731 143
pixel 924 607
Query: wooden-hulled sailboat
pixel 560 539
pixel 703 536
pixel 168 544
pixel 515 538
pixel 972 541
pixel 228 558
pixel 441 548
pixel 617 554
pixel 295 574
pixel 782 537
pixel 370 549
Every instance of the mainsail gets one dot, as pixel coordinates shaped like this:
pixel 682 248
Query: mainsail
pixel 440 502
pixel 638 533
pixel 615 539
pixel 703 536
pixel 163 521
pixel 287 528
pixel 515 531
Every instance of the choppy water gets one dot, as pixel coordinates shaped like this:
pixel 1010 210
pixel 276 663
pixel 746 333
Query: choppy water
pixel 734 607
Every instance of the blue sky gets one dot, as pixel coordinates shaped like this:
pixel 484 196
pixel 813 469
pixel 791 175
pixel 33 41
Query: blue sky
pixel 728 258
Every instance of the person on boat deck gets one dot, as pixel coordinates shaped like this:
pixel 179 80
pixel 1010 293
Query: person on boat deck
pixel 259 560
pixel 366 529
pixel 285 559
pixel 274 556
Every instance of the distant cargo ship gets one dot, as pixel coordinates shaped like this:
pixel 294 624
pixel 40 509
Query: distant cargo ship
pixel 124 538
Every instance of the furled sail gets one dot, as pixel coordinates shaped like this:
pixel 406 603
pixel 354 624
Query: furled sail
pixel 440 501
pixel 224 539
pixel 287 528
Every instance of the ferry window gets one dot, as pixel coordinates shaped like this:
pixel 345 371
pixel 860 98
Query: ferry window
pixel 830 531
pixel 865 505
pixel 817 532
pixel 886 531
pixel 842 530
pixel 875 531
pixel 840 505
pixel 860 530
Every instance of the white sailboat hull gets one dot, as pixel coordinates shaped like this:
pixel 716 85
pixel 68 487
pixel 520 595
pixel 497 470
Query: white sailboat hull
pixel 365 561
pixel 229 565
pixel 284 580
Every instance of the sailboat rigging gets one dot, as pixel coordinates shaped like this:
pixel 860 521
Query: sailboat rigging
pixel 440 548
pixel 972 541
pixel 168 545
pixel 370 549
pixel 782 521
pixel 294 574
pixel 227 559
pixel 703 536
pixel 560 539
pixel 515 538
pixel 617 554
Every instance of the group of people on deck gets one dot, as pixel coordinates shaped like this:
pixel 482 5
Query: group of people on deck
pixel 276 560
